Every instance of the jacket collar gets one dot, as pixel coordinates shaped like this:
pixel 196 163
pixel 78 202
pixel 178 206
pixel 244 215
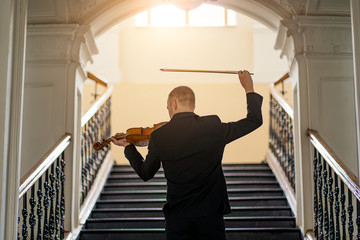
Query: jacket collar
pixel 184 115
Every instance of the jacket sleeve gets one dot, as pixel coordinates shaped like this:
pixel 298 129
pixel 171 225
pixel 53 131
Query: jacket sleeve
pixel 147 168
pixel 253 120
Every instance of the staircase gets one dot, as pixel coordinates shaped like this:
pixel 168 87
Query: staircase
pixel 129 208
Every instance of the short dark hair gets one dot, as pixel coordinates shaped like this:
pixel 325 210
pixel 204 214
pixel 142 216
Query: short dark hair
pixel 184 95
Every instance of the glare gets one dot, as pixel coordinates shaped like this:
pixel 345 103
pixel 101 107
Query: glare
pixel 231 18
pixel 171 16
pixel 166 16
pixel 141 19
pixel 207 15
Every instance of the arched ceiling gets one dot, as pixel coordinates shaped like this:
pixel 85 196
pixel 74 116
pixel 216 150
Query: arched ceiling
pixel 105 14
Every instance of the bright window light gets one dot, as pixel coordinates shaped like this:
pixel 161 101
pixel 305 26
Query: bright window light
pixel 206 15
pixel 231 18
pixel 141 19
pixel 167 16
pixel 171 16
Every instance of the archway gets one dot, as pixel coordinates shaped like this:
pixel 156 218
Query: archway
pixel 108 14
pixel 247 46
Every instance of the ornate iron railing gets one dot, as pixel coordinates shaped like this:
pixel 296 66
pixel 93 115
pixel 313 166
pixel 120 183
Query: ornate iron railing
pixel 42 196
pixel 281 137
pixel 336 194
pixel 95 125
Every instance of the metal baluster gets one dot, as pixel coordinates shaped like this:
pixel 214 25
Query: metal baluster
pixel 108 119
pixel 292 160
pixel 278 133
pixel 89 160
pixel 82 166
pixel 358 219
pixel 39 208
pixel 337 209
pixel 88 156
pixel 326 189
pixel 315 176
pixel 271 129
pixel 331 201
pixel 52 197
pixel 24 215
pixel 320 208
pixel 62 203
pixel 288 147
pixel 18 233
pixel 285 136
pixel 57 205
pixel 343 211
pixel 32 219
pixel 350 211
pixel 46 205
pixel 282 139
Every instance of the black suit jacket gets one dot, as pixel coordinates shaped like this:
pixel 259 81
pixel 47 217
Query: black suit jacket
pixel 190 149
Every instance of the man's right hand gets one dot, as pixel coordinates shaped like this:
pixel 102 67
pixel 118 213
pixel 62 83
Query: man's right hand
pixel 246 81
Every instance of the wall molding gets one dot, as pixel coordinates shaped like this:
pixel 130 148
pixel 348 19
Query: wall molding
pixel 319 34
pixel 60 43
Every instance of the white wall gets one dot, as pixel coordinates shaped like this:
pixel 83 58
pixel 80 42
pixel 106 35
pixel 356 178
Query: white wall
pixel 267 63
pixel 107 62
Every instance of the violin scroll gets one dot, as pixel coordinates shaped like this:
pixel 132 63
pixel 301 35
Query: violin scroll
pixel 98 146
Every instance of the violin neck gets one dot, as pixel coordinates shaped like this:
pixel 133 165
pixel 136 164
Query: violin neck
pixel 120 137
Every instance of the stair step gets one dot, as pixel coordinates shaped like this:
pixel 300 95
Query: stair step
pixel 224 167
pixel 157 212
pixel 159 222
pixel 159 202
pixel 125 171
pixel 129 208
pixel 160 178
pixel 264 233
pixel 162 185
pixel 159 233
pixel 141 194
pixel 227 175
pixel 260 222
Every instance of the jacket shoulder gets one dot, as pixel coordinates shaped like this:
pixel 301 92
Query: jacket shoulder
pixel 211 118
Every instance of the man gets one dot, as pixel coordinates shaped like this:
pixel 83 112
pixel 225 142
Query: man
pixel 190 149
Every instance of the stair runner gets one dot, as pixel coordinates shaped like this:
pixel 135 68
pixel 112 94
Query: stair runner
pixel 129 208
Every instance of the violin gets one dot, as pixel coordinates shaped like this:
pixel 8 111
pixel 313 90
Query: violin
pixel 138 136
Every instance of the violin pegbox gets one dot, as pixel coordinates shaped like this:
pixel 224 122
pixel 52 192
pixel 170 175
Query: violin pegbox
pixel 98 146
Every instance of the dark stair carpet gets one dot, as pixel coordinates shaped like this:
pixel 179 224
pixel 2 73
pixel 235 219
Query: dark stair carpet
pixel 130 209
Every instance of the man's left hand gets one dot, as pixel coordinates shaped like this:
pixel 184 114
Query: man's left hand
pixel 120 142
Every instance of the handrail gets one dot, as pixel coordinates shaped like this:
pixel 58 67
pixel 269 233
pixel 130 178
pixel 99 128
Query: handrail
pixel 96 79
pixel 349 179
pixel 283 78
pixel 85 118
pixel 282 101
pixel 44 163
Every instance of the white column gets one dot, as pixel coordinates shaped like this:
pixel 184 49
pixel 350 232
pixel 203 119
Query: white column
pixel 355 26
pixel 324 100
pixel 12 49
pixel 56 59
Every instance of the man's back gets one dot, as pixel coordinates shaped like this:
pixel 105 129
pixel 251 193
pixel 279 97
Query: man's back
pixel 190 149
